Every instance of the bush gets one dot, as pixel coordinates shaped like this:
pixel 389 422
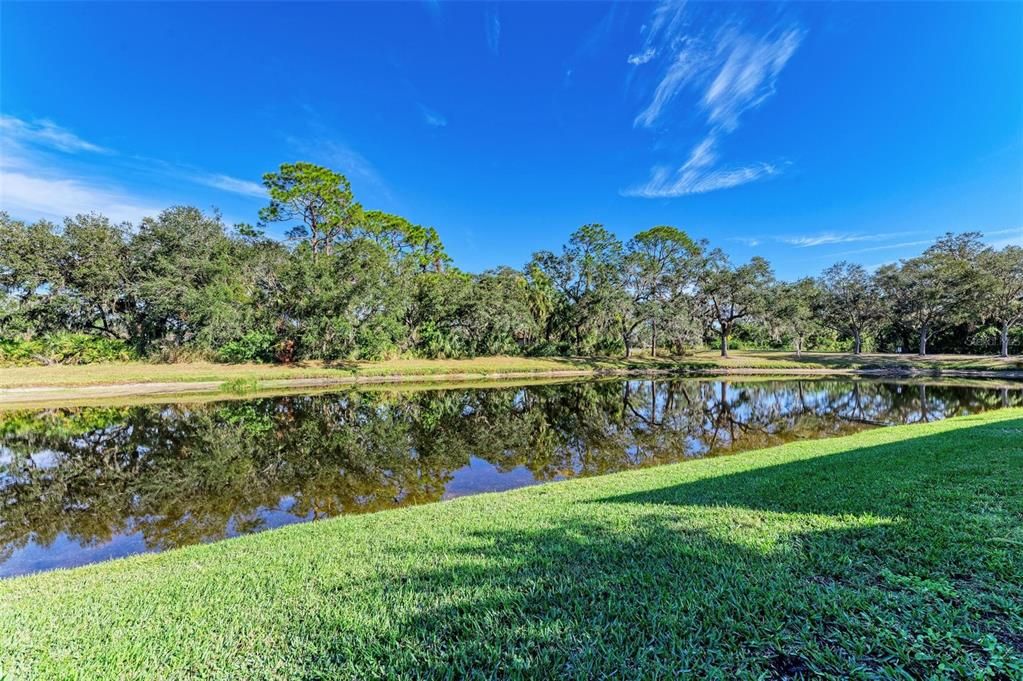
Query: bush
pixel 375 342
pixel 65 348
pixel 254 346
pixel 437 343
pixel 550 349
pixel 240 386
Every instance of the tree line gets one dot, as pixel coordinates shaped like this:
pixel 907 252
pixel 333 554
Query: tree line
pixel 351 283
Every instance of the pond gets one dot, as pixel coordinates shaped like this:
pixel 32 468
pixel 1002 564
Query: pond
pixel 80 485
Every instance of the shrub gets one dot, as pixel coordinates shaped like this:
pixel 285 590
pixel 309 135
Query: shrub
pixel 375 342
pixel 65 348
pixel 240 386
pixel 550 349
pixel 437 343
pixel 254 346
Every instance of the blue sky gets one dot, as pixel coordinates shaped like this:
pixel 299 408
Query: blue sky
pixel 806 133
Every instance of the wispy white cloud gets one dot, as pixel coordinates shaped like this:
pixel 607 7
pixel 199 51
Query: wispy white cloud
pixel 47 171
pixel 432 118
pixel 28 143
pixel 230 184
pixel 56 198
pixel 748 76
pixel 735 71
pixel 727 70
pixel 665 27
pixel 702 155
pixel 700 175
pixel 750 241
pixel 492 27
pixel 321 143
pixel 1011 241
pixel 833 238
pixel 331 152
pixel 663 184
pixel 827 239
pixel 642 57
pixel 46 133
pixel 31 190
pixel 690 61
pixel 1018 231
pixel 1010 237
pixel 888 247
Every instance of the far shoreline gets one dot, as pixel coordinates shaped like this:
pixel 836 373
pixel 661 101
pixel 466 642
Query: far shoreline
pixel 25 387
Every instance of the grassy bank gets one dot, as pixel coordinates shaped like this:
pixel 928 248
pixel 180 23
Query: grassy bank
pixel 189 372
pixel 204 372
pixel 135 395
pixel 894 552
pixel 880 361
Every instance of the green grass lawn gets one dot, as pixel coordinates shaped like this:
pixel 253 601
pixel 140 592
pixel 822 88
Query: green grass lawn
pixel 879 361
pixel 143 372
pixel 198 372
pixel 894 553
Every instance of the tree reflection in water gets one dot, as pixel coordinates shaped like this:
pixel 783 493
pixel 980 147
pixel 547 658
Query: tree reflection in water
pixel 182 474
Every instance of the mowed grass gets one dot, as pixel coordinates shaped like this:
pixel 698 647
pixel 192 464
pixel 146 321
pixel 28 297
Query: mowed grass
pixel 893 553
pixel 201 372
pixel 189 372
pixel 877 361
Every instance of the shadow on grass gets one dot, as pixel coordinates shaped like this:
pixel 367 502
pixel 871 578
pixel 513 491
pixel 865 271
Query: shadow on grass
pixel 869 562
pixel 639 362
pixel 905 478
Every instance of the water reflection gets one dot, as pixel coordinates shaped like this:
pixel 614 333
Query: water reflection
pixel 87 484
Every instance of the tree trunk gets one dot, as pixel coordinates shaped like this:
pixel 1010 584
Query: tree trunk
pixel 799 347
pixel 628 348
pixel 857 342
pixel 724 342
pixel 653 337
pixel 1005 339
pixel 923 341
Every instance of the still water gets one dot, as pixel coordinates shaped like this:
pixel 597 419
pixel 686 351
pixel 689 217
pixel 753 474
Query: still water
pixel 80 485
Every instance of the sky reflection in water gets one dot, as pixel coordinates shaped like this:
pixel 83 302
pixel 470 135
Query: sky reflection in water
pixel 81 485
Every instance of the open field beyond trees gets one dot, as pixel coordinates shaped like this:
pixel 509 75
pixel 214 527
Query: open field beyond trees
pixel 894 549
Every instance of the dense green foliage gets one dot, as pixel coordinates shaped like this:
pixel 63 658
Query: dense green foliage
pixel 65 348
pixel 351 283
pixel 892 553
